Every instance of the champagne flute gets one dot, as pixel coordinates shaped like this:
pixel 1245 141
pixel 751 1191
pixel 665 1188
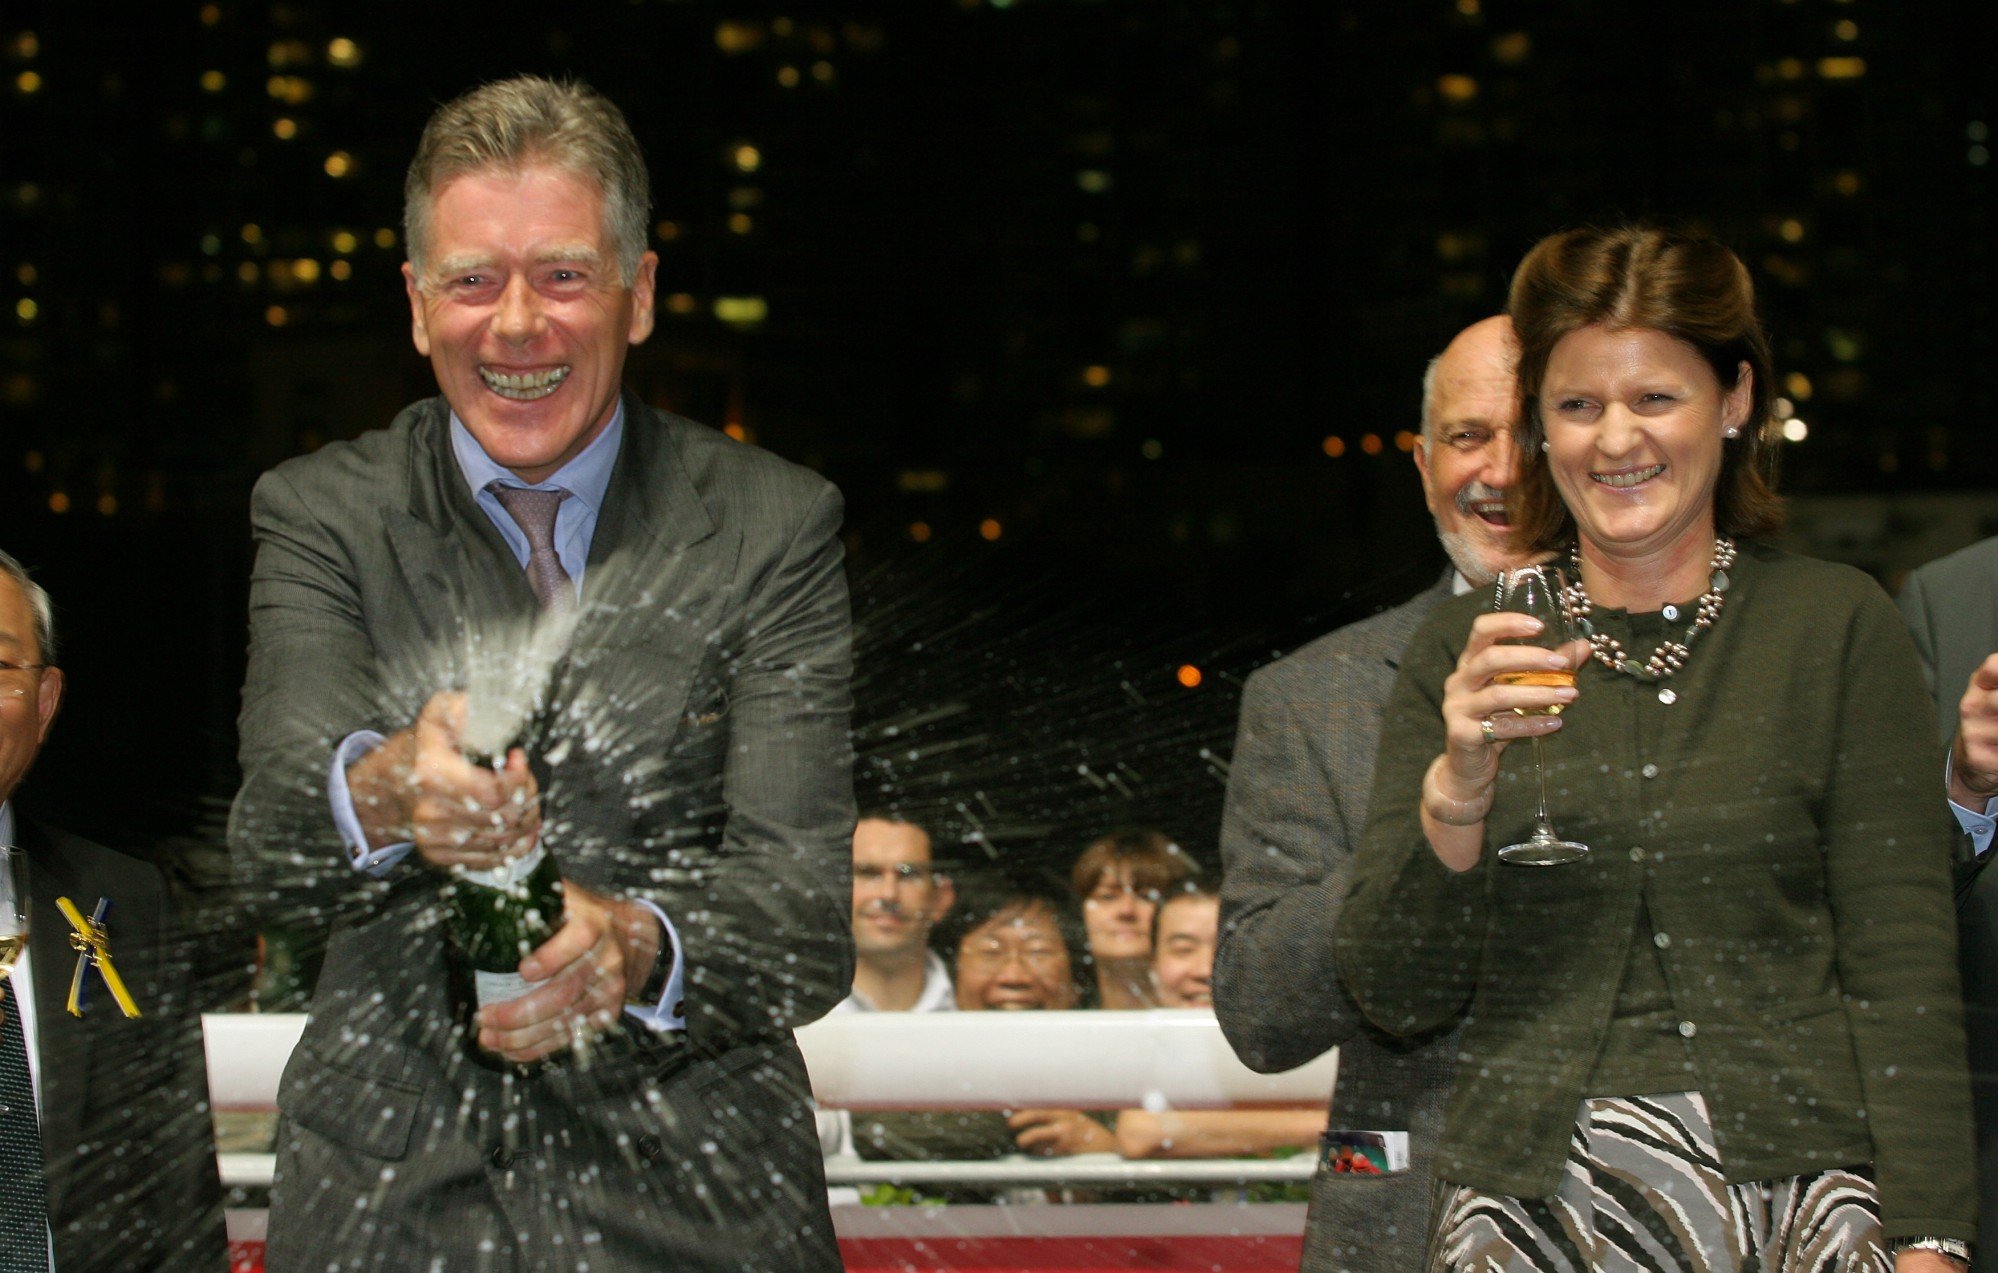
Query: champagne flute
pixel 1536 591
pixel 13 911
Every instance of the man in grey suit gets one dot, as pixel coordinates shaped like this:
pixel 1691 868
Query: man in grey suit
pixel 1297 800
pixel 1951 607
pixel 684 759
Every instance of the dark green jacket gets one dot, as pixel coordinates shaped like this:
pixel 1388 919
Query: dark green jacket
pixel 1785 825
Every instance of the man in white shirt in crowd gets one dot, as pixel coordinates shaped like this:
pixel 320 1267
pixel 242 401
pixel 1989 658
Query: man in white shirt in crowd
pixel 898 897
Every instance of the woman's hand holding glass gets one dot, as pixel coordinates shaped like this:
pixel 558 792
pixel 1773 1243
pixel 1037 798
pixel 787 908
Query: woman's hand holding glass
pixel 1481 714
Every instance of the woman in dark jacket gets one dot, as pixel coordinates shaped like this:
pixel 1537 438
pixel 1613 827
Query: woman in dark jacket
pixel 1730 1037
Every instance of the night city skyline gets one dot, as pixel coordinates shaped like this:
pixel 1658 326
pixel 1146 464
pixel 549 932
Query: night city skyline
pixel 1107 317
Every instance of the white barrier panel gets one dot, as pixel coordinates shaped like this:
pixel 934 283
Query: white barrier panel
pixel 1161 1059
pixel 1080 1169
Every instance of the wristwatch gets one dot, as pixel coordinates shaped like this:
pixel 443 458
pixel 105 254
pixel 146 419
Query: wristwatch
pixel 1949 1248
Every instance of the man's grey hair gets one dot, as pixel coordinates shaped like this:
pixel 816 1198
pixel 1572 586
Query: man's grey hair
pixel 515 123
pixel 39 606
pixel 1429 397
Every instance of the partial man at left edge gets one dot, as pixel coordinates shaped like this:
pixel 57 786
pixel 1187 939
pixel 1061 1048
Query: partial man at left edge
pixel 125 1175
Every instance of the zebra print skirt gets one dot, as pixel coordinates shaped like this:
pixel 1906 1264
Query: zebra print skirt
pixel 1642 1192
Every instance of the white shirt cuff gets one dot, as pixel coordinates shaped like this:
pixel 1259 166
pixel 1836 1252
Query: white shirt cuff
pixel 670 1013
pixel 375 862
pixel 1978 824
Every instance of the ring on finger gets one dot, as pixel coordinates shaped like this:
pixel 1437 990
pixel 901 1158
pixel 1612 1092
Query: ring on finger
pixel 1486 728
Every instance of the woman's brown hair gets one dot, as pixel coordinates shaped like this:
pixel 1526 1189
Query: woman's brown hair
pixel 1691 288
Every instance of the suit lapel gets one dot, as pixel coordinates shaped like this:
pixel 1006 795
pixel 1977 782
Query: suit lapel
pixel 456 569
pixel 63 1044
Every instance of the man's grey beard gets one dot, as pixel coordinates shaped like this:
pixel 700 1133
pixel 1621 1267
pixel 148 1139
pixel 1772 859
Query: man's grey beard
pixel 1474 559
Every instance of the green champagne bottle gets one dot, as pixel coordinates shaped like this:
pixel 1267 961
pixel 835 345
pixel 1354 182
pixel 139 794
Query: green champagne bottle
pixel 495 919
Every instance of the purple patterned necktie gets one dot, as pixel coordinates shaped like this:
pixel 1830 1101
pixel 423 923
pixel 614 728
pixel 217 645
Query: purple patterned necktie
pixel 534 513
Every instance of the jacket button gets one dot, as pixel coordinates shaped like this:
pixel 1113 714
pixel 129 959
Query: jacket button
pixel 1649 771
pixel 649 1147
pixel 1687 1029
pixel 500 1157
pixel 1660 940
pixel 1637 855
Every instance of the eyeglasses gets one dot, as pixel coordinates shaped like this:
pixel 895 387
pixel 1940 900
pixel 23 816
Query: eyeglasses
pixel 901 873
pixel 14 686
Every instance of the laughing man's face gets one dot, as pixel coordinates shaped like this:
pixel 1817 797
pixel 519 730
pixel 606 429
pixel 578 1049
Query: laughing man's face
pixel 1470 455
pixel 524 314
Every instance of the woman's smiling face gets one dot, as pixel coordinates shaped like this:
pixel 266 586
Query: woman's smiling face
pixel 1635 422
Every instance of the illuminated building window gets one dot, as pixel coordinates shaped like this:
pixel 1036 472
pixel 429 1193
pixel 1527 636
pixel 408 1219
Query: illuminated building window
pixel 990 529
pixel 1512 49
pixel 284 128
pixel 1847 183
pixel 1370 443
pixel 285 53
pixel 1096 377
pixel 1841 68
pixel 253 234
pixel 1846 29
pixel 26 274
pixel 667 231
pixel 211 14
pixel 305 270
pixel 682 303
pixel 107 504
pixel 345 241
pixel 745 157
pixel 741 311
pixel 1333 445
pixel 26 46
pixel 1093 181
pixel 1152 449
pixel 922 481
pixel 341 270
pixel 339 164
pixel 741 223
pixel 1799 386
pixel 28 83
pixel 1792 230
pixel 787 76
pixel 343 53
pixel 823 72
pixel 384 238
pixel 1795 430
pixel 277 316
pixel 1456 88
pixel 213 81
pixel 738 37
pixel 58 502
pixel 26 310
pixel 247 273
pixel 919 532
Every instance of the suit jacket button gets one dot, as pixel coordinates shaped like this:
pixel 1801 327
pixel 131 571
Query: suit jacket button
pixel 649 1147
pixel 500 1157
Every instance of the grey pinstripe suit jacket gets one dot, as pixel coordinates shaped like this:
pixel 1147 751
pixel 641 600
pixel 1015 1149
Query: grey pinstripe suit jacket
pixel 693 751
pixel 1297 802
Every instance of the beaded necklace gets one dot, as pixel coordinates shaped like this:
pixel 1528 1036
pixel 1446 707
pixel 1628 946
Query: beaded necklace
pixel 1670 656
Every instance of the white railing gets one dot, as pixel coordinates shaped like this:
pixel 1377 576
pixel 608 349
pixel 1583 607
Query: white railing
pixel 976 1060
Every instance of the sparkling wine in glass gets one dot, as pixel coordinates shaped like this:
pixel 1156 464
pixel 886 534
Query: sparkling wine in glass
pixel 13 911
pixel 1536 591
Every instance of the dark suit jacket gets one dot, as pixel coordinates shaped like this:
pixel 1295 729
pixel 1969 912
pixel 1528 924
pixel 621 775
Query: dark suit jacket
pixel 692 750
pixel 1951 607
pixel 128 1147
pixel 1297 801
